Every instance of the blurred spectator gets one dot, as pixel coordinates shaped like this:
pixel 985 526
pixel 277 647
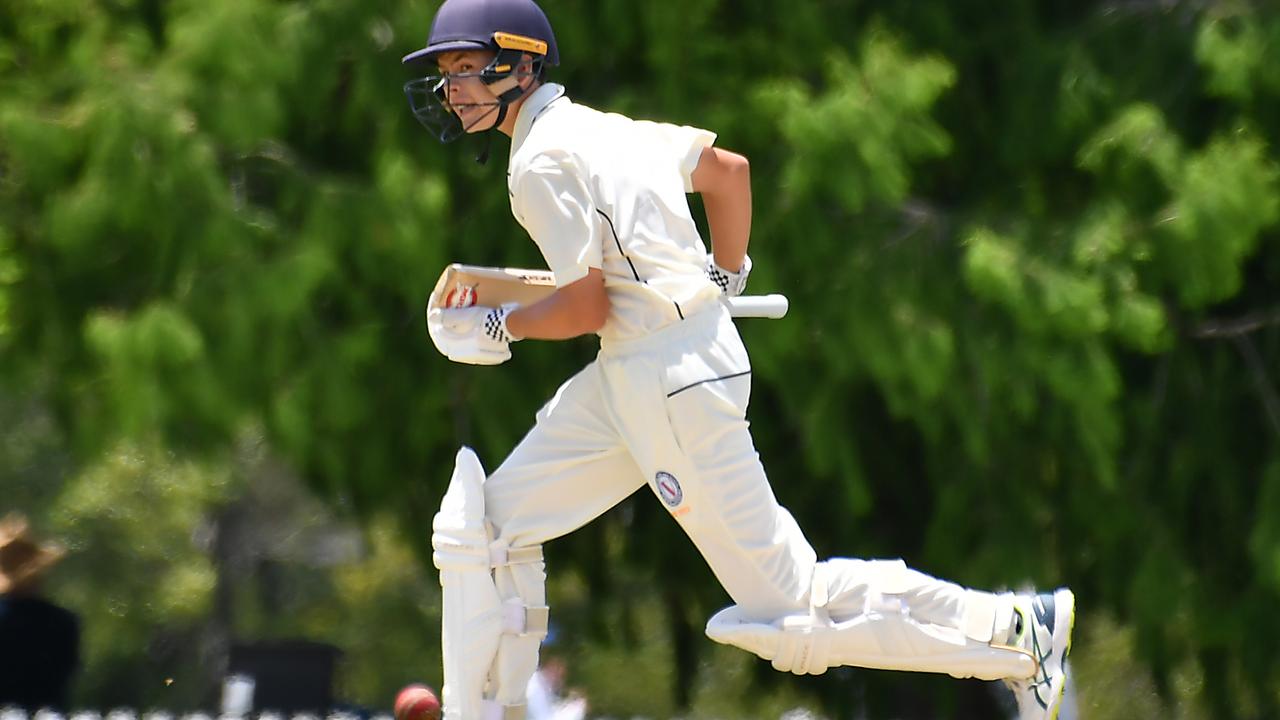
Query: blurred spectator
pixel 544 699
pixel 39 641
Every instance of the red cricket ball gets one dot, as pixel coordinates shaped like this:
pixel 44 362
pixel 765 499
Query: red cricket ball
pixel 460 296
pixel 417 702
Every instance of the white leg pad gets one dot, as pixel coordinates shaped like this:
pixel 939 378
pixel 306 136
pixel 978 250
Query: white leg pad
pixel 471 608
pixel 883 635
pixel 493 622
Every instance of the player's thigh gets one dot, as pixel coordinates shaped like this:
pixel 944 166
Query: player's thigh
pixel 570 468
pixel 752 543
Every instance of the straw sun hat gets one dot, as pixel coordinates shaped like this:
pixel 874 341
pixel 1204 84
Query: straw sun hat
pixel 22 559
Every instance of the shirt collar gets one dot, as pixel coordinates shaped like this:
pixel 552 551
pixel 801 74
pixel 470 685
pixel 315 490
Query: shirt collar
pixel 532 108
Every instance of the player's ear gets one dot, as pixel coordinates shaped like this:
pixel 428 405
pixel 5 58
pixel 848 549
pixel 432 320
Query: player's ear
pixel 526 71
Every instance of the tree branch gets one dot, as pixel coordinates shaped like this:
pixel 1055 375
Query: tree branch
pixel 1237 327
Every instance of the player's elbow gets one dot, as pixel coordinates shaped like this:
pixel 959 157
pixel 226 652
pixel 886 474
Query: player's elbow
pixel 737 175
pixel 722 172
pixel 742 176
pixel 737 166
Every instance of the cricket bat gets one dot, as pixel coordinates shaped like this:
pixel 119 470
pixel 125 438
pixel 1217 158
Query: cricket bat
pixel 466 285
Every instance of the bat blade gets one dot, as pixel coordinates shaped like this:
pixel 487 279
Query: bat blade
pixel 465 285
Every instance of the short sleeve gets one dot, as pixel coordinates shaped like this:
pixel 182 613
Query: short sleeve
pixel 687 144
pixel 553 204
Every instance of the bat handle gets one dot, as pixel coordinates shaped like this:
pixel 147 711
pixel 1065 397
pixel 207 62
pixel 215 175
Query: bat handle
pixel 758 306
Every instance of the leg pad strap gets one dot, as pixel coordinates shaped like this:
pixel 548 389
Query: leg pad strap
pixel 517 619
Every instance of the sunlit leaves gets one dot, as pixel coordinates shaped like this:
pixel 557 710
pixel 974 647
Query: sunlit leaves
pixel 1225 196
pixel 1137 138
pixel 1234 49
pixel 853 140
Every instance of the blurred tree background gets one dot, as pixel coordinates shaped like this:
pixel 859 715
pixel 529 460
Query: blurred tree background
pixel 1033 254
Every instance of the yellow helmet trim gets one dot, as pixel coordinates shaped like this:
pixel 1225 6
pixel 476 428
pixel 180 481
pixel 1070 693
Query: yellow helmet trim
pixel 507 41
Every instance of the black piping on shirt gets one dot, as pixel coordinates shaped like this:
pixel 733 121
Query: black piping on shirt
pixel 618 242
pixel 701 382
pixel 626 257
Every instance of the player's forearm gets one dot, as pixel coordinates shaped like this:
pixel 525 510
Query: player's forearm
pixel 551 318
pixel 576 309
pixel 729 219
pixel 723 178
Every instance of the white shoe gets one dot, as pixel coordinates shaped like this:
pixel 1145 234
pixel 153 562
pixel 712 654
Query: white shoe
pixel 1042 627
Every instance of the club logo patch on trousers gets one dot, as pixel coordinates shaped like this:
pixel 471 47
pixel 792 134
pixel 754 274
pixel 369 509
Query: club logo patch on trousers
pixel 668 488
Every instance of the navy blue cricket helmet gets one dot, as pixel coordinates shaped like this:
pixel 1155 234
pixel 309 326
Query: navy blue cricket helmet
pixel 492 25
pixel 509 28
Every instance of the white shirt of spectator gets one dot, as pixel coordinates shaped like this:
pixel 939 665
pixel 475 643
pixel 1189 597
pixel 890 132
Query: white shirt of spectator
pixel 600 190
pixel 543 703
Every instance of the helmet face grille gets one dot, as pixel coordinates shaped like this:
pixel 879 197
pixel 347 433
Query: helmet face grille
pixel 429 102
pixel 429 96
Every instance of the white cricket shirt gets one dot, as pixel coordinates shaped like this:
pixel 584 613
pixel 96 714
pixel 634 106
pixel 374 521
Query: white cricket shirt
pixel 602 190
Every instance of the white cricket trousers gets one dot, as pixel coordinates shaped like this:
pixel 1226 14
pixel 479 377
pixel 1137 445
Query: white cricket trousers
pixel 668 410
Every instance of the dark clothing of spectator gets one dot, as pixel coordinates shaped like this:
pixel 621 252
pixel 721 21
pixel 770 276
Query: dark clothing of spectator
pixel 39 641
pixel 39 651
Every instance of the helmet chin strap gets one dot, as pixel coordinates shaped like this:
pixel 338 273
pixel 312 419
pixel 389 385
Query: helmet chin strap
pixel 503 106
pixel 482 157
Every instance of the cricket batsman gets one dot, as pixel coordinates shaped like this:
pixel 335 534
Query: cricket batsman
pixel 663 404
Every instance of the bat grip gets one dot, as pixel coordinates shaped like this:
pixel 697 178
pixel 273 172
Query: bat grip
pixel 758 306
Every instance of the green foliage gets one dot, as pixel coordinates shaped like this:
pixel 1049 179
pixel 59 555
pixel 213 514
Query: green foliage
pixel 10 273
pixel 1236 44
pixel 1032 262
pixel 1264 540
pixel 139 582
pixel 1112 682
pixel 886 97
pixel 391 591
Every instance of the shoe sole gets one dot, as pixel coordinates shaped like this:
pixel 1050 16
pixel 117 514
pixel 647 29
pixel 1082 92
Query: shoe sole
pixel 1059 687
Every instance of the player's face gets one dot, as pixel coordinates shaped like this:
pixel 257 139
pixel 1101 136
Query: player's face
pixel 470 99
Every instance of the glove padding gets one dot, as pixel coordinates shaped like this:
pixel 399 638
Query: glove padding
pixel 731 284
pixel 475 335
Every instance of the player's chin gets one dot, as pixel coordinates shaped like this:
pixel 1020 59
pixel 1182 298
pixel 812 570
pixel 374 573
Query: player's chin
pixel 476 121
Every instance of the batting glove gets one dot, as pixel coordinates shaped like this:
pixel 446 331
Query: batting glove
pixel 475 335
pixel 731 284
